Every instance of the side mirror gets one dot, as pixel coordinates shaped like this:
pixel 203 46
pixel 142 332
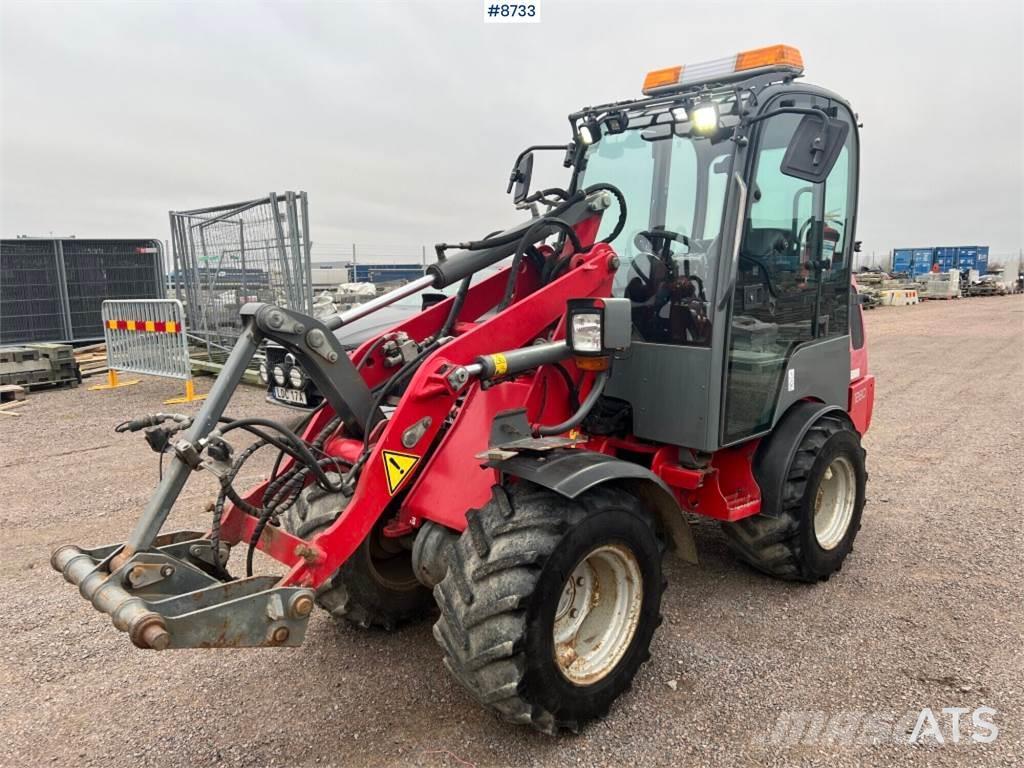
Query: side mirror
pixel 814 148
pixel 520 178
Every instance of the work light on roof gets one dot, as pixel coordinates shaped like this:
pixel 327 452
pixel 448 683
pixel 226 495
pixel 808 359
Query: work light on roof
pixel 704 118
pixel 774 58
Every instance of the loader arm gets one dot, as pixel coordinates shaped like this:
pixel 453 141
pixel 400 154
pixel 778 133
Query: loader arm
pixel 171 590
pixel 431 396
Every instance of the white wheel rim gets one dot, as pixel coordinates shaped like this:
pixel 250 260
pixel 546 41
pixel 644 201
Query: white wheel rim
pixel 834 502
pixel 598 614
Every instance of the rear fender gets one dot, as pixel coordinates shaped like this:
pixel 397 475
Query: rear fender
pixel 571 472
pixel 776 450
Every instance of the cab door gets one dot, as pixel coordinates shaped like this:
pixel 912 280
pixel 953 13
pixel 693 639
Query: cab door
pixel 792 292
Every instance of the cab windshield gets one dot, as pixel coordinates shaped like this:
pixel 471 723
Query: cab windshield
pixel 674 181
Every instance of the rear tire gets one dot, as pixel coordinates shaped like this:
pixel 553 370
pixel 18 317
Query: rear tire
pixel 549 604
pixel 822 503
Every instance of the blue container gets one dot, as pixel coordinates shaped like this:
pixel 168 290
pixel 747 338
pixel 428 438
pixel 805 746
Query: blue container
pixel 901 258
pixel 386 273
pixel 967 257
pixel 923 260
pixel 981 262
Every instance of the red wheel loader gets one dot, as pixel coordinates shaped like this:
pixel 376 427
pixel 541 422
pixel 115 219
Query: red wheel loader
pixel 672 332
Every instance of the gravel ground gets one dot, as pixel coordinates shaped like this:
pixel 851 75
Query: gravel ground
pixel 928 611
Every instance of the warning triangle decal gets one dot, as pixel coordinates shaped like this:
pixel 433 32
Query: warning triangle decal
pixel 396 467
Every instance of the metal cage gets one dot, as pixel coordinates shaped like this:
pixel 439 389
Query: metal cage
pixel 228 255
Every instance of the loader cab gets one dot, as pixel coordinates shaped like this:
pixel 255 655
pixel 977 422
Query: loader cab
pixel 741 191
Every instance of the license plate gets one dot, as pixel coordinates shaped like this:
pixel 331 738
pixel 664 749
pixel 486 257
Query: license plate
pixel 294 396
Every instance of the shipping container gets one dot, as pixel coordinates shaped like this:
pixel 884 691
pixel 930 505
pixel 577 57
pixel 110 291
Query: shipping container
pixel 386 273
pixel 901 258
pixel 917 261
pixel 923 259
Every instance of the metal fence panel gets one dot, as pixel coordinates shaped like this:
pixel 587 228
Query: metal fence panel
pixel 147 337
pixel 52 289
pixel 228 255
pixel 98 270
pixel 30 292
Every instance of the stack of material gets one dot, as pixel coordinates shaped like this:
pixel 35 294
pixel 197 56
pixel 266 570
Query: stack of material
pixel 35 365
pixel 61 358
pixel 987 285
pixel 869 297
pixel 92 360
pixel 870 285
pixel 752 335
pixel 940 285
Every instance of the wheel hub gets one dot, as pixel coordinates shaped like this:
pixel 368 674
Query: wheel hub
pixel 597 614
pixel 834 502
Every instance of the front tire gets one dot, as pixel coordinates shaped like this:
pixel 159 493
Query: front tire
pixel 376 587
pixel 822 502
pixel 549 604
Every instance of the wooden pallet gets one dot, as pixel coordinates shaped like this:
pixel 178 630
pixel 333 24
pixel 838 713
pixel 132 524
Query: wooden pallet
pixel 11 392
pixel 92 360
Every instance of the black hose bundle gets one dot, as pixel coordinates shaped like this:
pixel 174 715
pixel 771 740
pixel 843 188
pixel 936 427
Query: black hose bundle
pixel 280 492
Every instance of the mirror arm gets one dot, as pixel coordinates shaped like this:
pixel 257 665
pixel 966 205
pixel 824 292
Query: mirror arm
pixel 515 166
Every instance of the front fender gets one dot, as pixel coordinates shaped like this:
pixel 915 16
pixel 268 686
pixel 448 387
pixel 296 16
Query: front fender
pixel 570 472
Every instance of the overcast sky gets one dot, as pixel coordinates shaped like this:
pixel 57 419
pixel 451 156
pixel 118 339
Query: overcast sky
pixel 401 120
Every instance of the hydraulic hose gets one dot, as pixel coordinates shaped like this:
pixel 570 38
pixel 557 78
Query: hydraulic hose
pixel 288 495
pixel 493 239
pixel 305 456
pixel 479 254
pixel 453 314
pixel 574 421
pixel 620 198
pixel 526 241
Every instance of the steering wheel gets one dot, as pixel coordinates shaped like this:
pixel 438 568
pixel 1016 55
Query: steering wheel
pixel 664 237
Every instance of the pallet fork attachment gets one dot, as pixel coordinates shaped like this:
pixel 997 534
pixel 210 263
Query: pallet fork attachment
pixel 163 599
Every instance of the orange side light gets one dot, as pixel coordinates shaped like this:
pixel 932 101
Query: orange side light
pixel 772 56
pixel 659 78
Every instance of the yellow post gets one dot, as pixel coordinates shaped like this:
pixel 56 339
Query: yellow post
pixel 113 382
pixel 190 395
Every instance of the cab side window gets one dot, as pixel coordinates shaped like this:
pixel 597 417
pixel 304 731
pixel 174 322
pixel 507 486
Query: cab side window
pixel 837 250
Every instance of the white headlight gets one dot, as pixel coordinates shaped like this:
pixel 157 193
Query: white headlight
pixel 296 378
pixel 264 376
pixel 586 332
pixel 704 118
pixel 279 375
pixel 586 136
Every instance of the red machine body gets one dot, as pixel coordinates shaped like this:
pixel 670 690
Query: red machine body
pixel 435 482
